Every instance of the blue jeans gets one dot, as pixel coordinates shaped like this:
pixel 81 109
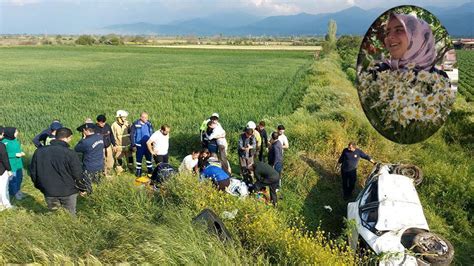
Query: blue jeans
pixel 15 184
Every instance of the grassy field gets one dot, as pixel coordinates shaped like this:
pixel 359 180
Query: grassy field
pixel 178 87
pixel 314 100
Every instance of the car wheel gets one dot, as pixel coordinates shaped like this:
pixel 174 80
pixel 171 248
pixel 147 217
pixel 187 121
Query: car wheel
pixel 433 248
pixel 410 171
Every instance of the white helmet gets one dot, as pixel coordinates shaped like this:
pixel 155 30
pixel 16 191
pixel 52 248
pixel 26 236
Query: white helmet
pixel 121 113
pixel 251 125
pixel 215 114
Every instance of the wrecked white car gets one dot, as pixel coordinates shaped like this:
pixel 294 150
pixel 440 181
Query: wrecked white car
pixel 389 219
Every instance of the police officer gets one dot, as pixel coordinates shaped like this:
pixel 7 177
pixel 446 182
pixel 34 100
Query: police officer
pixel 92 148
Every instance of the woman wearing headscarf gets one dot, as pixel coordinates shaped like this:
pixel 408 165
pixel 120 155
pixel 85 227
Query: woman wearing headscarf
pixel 5 173
pixel 411 44
pixel 15 155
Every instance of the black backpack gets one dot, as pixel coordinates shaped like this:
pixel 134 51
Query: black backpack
pixel 162 172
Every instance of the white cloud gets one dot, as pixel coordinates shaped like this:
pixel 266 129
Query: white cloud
pixel 20 2
pixel 274 6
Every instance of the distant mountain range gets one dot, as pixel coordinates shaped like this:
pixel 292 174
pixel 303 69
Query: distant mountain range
pixel 459 21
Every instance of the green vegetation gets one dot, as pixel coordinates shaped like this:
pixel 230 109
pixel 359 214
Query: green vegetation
pixel 466 75
pixel 348 49
pixel 120 223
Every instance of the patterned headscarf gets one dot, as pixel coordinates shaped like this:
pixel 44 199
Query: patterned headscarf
pixel 421 45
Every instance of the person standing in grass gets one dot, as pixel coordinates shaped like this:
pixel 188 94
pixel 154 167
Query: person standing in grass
pixel 15 155
pixel 282 137
pixel 158 144
pixel 55 170
pixel 105 131
pixel 217 135
pixel 140 132
pixel 5 173
pixel 275 153
pixel 204 126
pixel 45 137
pixel 349 160
pixel 92 148
pixel 263 134
pixel 246 149
pixel 256 134
pixel 121 134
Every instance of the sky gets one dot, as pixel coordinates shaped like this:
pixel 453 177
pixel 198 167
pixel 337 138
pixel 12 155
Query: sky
pixel 77 16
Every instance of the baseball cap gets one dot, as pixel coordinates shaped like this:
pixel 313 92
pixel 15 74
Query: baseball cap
pixel 55 126
pixel 86 125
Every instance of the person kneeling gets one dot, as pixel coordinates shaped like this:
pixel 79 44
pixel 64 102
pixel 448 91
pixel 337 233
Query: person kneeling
pixel 266 176
pixel 218 176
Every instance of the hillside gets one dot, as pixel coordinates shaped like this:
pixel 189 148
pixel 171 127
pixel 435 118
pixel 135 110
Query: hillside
pixel 353 20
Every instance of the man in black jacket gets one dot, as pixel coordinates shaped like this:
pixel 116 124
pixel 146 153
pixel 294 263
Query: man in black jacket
pixel 266 176
pixel 105 130
pixel 54 171
pixel 349 160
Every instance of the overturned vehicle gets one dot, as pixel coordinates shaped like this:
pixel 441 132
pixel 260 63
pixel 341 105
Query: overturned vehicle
pixel 389 219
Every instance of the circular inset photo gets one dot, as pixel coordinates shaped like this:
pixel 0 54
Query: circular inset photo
pixel 407 74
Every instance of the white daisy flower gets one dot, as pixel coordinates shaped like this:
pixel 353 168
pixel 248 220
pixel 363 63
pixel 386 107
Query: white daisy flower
pixel 409 112
pixel 430 113
pixel 424 76
pixel 430 100
pixel 411 65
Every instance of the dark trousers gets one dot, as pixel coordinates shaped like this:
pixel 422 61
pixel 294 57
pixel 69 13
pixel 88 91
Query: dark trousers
pixel 67 202
pixel 143 151
pixel 279 168
pixel 348 182
pixel 15 184
pixel 272 184
pixel 94 176
pixel 161 158
pixel 260 154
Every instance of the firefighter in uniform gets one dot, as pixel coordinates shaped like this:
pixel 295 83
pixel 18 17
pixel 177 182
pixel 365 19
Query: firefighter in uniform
pixel 122 149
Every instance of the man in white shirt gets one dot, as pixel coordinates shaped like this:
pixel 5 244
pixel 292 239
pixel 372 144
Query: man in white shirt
pixel 189 163
pixel 158 144
pixel 218 133
pixel 282 137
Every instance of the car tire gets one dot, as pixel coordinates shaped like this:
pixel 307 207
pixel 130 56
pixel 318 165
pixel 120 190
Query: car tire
pixel 433 248
pixel 410 171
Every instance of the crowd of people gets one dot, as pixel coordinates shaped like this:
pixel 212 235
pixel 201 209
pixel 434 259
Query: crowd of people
pixel 60 174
